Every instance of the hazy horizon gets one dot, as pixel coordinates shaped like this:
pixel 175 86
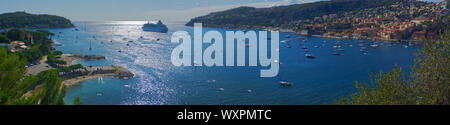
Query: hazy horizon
pixel 135 10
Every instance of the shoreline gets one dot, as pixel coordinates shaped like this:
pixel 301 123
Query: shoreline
pixel 77 80
pixel 116 72
pixel 90 72
pixel 286 30
pixel 79 75
pixel 70 58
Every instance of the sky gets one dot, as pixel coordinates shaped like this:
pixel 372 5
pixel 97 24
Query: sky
pixel 134 10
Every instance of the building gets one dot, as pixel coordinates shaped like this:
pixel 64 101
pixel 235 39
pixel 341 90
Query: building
pixel 16 46
pixel 420 20
pixel 419 35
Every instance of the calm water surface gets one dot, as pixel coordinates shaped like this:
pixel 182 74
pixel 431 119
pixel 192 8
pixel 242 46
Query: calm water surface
pixel 158 82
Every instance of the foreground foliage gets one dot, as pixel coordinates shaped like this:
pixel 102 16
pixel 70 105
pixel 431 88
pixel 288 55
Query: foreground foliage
pixel 17 89
pixel 427 83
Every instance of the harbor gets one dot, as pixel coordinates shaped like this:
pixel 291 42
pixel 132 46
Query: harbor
pixel 308 68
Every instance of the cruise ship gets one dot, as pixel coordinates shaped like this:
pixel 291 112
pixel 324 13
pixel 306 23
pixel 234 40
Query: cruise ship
pixel 158 27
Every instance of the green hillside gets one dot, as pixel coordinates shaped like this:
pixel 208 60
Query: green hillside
pixel 26 20
pixel 275 16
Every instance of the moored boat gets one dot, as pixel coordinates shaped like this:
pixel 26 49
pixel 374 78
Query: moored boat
pixel 310 56
pixel 286 83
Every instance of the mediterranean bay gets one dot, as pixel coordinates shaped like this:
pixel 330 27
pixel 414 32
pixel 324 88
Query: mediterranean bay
pixel 157 82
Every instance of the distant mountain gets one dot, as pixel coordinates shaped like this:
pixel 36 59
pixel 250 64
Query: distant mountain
pixel 26 20
pixel 276 16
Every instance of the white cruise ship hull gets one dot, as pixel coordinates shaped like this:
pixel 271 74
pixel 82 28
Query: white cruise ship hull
pixel 156 29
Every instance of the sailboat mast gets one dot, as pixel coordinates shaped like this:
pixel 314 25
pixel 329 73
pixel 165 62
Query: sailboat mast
pixel 90 45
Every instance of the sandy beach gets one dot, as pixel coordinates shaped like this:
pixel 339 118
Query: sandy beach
pixel 79 75
pixel 73 81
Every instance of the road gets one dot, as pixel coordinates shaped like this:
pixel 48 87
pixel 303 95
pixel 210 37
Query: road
pixel 36 69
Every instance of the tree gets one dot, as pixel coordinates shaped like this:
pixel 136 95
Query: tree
pixel 12 69
pixel 52 92
pixel 430 74
pixel 427 84
pixel 34 53
pixel 15 89
pixel 383 89
pixel 16 34
pixel 77 101
pixel 4 39
pixel 280 15
pixel 51 59
pixel 26 20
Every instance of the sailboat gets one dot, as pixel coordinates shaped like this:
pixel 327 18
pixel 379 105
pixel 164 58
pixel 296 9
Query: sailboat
pixel 90 45
pixel 76 38
pixel 85 27
pixel 284 82
pixel 310 56
pixel 129 37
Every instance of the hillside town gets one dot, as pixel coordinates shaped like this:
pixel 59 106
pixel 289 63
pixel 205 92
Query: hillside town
pixel 400 21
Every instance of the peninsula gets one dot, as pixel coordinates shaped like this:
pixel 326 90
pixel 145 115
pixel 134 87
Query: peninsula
pixel 75 73
pixel 36 21
pixel 74 76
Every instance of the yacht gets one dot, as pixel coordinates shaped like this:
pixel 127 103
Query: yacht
pixel 285 83
pixel 158 27
pixel 288 46
pixel 337 54
pixel 310 56
pixel 374 45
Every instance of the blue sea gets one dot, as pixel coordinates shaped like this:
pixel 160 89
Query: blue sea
pixel 158 82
